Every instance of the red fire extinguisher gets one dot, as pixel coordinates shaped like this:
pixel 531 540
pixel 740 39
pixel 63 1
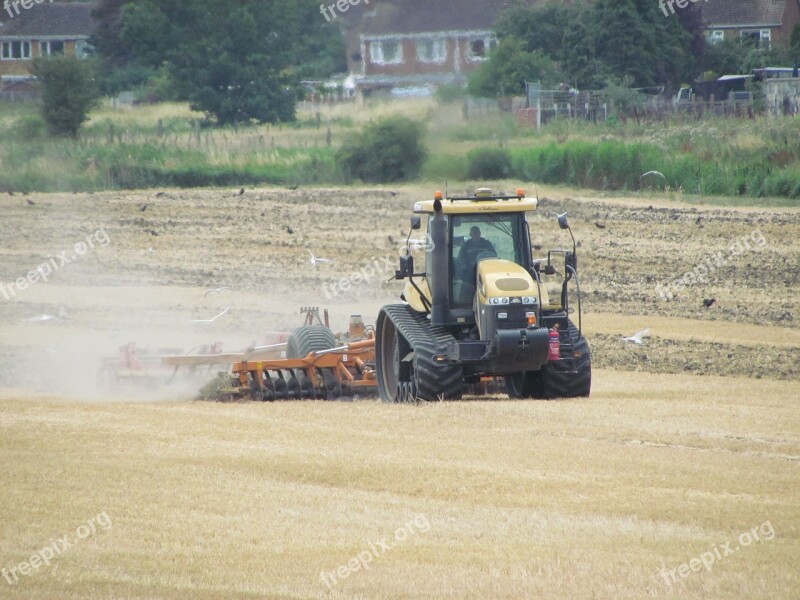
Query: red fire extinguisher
pixel 555 345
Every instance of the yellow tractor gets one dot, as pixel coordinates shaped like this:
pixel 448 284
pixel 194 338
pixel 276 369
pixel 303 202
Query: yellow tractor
pixel 481 308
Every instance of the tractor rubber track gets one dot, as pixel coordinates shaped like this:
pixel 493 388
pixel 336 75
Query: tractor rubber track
pixel 565 378
pixel 558 380
pixel 434 381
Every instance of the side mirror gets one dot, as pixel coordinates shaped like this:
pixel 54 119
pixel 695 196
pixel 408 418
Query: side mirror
pixel 416 223
pixel 406 267
pixel 571 259
pixel 562 221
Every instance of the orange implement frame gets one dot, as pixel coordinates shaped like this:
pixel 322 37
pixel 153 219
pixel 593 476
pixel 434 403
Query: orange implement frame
pixel 342 371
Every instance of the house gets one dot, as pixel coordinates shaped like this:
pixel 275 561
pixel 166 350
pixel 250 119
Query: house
pixel 41 29
pixel 767 22
pixel 414 46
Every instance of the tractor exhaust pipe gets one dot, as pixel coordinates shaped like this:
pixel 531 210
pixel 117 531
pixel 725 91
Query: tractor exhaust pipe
pixel 438 265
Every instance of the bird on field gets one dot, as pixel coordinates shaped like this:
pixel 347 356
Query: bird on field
pixel 30 202
pixel 314 260
pixel 600 225
pixel 218 290
pixel 638 338
pixel 391 240
pixel 212 319
pixel 159 194
pixel 293 187
pixel 709 302
pixel 143 208
pixel 289 230
pixel 393 194
pixel 699 222
pixel 10 193
pixel 38 319
pixel 537 246
pixel 241 191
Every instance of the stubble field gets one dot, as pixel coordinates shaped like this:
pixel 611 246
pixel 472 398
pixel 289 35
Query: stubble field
pixel 688 448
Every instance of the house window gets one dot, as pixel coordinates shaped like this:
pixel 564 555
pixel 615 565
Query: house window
pixel 431 51
pixel 761 38
pixel 479 48
pixel 386 53
pixel 15 51
pixel 52 48
pixel 715 36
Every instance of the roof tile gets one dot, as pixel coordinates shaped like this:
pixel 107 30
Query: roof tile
pixel 50 19
pixel 743 12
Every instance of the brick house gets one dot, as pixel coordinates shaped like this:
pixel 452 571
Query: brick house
pixel 767 22
pixel 42 30
pixel 419 44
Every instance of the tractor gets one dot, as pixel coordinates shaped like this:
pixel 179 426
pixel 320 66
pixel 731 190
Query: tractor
pixel 481 307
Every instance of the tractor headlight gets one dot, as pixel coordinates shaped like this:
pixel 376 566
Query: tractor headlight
pixel 529 299
pixel 503 300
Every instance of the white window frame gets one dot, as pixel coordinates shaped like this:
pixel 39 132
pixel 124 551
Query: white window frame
pixel 764 37
pixel 715 36
pixel 438 50
pixel 377 56
pixel 46 49
pixel 489 42
pixel 6 50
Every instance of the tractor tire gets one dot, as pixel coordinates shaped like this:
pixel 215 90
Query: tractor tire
pixel 310 338
pixel 556 379
pixel 405 347
pixel 313 338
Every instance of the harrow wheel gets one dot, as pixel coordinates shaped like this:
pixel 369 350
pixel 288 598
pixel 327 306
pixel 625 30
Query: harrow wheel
pixel 307 387
pixel 293 386
pixel 281 388
pixel 255 389
pixel 268 393
pixel 333 387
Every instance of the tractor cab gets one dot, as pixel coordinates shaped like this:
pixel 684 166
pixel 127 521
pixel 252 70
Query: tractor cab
pixel 474 241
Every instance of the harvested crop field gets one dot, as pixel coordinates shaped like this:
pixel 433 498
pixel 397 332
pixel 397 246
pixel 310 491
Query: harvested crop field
pixel 679 476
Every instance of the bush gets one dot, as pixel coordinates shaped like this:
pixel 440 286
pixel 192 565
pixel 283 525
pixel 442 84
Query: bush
pixel 386 151
pixel 489 163
pixel 68 93
pixel 27 128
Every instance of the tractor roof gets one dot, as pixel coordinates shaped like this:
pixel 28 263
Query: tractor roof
pixel 482 201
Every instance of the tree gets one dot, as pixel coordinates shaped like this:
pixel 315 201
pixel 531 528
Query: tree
pixel 236 61
pixel 68 93
pixel 510 67
pixel 594 44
